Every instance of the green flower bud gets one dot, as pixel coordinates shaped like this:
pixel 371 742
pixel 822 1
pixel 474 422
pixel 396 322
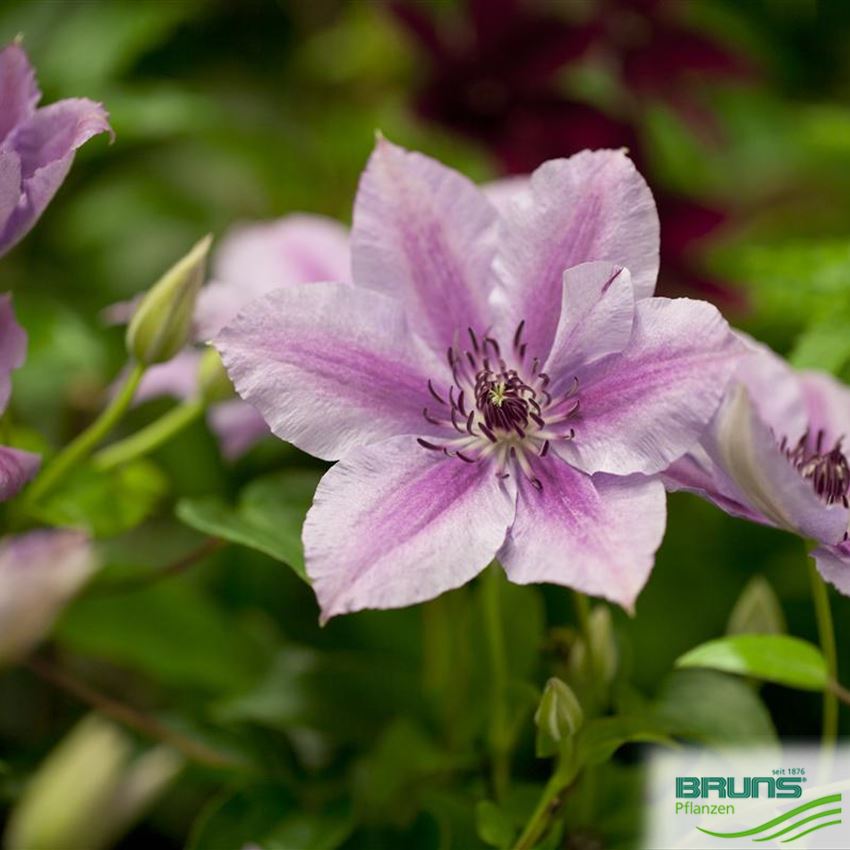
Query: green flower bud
pixel 89 790
pixel 558 718
pixel 213 383
pixel 162 323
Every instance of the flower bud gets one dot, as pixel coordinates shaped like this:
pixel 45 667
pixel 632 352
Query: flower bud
pixel 757 611
pixel 39 573
pixel 89 790
pixel 213 383
pixel 558 718
pixel 162 323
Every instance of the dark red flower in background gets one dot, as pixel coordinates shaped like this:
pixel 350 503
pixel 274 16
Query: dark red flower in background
pixel 496 74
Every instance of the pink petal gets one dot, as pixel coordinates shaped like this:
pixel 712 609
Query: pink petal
pixel 256 258
pixel 426 235
pixel 395 524
pixel 13 347
pixel 827 404
pixel 592 206
pixel 45 144
pixel 833 563
pixel 17 467
pixel 238 427
pixel 596 535
pixel 644 408
pixel 330 367
pixel 19 92
pixel 746 450
pixel 597 316
pixel 39 573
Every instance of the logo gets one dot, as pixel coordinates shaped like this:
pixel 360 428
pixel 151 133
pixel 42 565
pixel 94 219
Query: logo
pixel 745 788
pixel 828 814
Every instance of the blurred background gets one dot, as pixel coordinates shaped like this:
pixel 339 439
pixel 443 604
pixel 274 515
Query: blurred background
pixel 367 733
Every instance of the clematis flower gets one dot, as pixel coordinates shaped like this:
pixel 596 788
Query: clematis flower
pixel 494 384
pixel 36 145
pixel 39 573
pixel 250 261
pixel 16 466
pixel 775 454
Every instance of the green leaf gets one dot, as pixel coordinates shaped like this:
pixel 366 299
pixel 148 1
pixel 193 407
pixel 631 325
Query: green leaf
pixel 602 737
pixel 268 517
pixel 757 611
pixel 713 708
pixel 106 503
pixel 169 631
pixel 773 658
pixel 494 826
pixel 825 344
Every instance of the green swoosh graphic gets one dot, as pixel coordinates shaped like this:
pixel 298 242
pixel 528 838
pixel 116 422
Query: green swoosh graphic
pixel 832 798
pixel 809 819
pixel 813 829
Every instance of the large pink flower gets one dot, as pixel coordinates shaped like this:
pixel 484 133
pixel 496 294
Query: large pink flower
pixel 16 466
pixel 36 145
pixel 495 384
pixel 775 454
pixel 252 259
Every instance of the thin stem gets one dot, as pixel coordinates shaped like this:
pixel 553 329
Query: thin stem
pixel 582 604
pixel 207 548
pixel 499 733
pixel 80 447
pixel 541 818
pixel 826 634
pixel 148 726
pixel 151 436
pixel 840 692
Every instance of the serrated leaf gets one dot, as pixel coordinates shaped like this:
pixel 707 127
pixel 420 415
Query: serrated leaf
pixel 773 658
pixel 268 517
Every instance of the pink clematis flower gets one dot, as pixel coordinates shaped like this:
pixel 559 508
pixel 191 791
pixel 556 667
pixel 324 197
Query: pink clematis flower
pixel 775 454
pixel 36 145
pixel 39 573
pixel 16 466
pixel 494 384
pixel 252 260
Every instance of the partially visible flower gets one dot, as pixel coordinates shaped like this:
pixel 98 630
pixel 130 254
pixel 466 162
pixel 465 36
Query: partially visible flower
pixel 248 262
pixel 16 466
pixel 39 573
pixel 89 790
pixel 487 388
pixel 36 145
pixel 776 454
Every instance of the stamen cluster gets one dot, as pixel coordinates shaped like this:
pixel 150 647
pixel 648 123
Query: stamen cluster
pixel 500 408
pixel 829 472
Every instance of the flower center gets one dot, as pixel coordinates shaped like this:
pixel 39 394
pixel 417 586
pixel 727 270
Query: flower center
pixel 828 471
pixel 511 414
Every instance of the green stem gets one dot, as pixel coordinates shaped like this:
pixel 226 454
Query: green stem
pixel 582 604
pixel 499 733
pixel 151 436
pixel 548 805
pixel 826 634
pixel 80 447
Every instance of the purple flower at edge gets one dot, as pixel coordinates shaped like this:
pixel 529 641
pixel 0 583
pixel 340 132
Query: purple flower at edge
pixel 36 145
pixel 497 383
pixel 777 454
pixel 16 466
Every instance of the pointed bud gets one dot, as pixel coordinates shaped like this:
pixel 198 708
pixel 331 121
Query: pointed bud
pixel 757 611
pixel 39 573
pixel 162 323
pixel 213 382
pixel 558 718
pixel 89 790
